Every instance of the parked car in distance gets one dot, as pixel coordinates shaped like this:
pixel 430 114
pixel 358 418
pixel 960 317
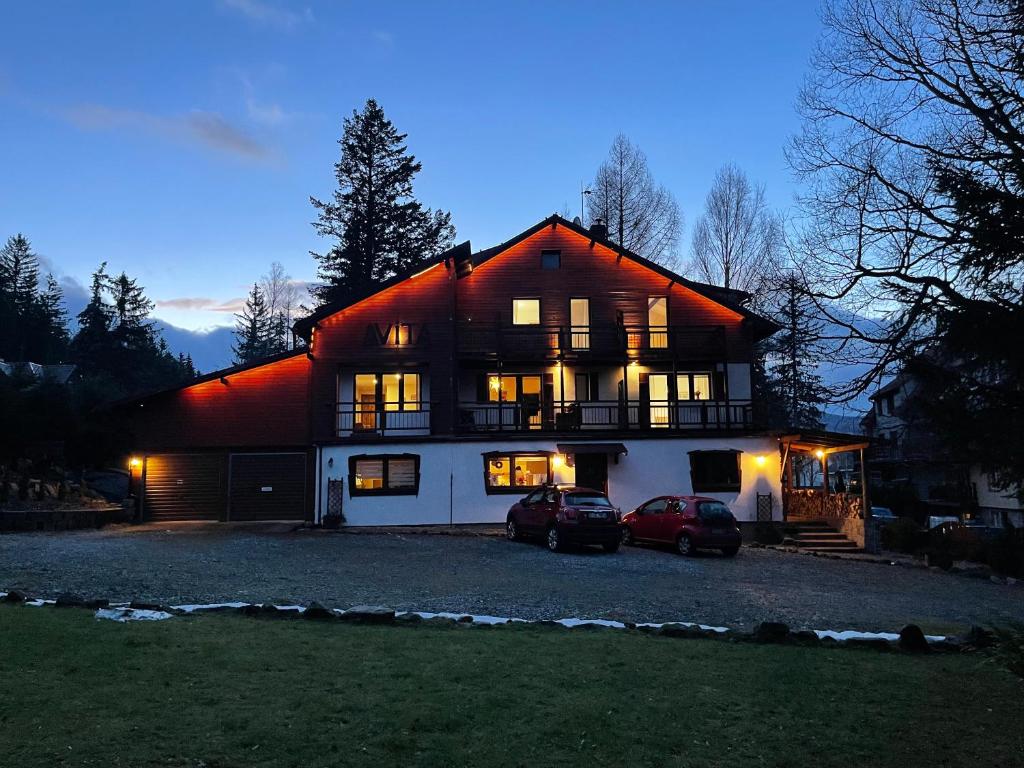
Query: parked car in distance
pixel 688 522
pixel 883 513
pixel 565 514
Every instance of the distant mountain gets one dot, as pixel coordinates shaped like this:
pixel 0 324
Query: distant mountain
pixel 846 422
pixel 210 350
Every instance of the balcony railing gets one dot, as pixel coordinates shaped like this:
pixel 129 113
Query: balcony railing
pixel 688 342
pixel 615 415
pixel 383 418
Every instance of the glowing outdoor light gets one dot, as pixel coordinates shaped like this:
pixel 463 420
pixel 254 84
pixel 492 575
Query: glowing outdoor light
pixel 557 460
pixel 819 453
pixel 134 461
pixel 760 461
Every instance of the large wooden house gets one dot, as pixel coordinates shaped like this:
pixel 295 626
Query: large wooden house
pixel 556 356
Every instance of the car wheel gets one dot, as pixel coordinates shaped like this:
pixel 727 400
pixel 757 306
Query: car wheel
pixel 554 540
pixel 611 547
pixel 730 551
pixel 684 545
pixel 512 530
pixel 627 536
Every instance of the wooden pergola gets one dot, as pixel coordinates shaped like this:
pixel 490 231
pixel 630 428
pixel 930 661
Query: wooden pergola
pixel 821 445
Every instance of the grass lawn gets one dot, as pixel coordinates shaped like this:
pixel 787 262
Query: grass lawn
pixel 222 690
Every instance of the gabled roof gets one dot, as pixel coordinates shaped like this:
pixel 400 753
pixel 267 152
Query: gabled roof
pixel 212 376
pixel 729 298
pixel 302 326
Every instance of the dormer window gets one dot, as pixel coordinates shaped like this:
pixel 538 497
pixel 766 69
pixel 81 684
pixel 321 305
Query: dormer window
pixel 550 259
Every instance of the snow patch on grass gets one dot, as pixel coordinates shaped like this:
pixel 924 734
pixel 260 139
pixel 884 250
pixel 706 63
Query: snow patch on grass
pixel 132 614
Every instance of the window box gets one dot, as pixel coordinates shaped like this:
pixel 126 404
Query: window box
pixel 384 474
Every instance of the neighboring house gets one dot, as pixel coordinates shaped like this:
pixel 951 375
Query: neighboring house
pixel 907 456
pixel 556 356
pixel 59 373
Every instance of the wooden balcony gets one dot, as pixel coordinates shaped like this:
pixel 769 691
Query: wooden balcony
pixel 550 342
pixel 382 419
pixel 604 416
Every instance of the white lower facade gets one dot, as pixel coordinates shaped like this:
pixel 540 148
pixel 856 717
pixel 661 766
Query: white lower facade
pixel 452 478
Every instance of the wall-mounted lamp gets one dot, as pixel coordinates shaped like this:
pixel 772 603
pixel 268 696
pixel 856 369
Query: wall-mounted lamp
pixel 557 460
pixel 819 453
pixel 330 462
pixel 760 460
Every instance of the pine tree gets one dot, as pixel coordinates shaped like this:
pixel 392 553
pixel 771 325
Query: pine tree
pixel 89 347
pixel 797 391
pixel 379 228
pixel 252 328
pixel 48 337
pixel 19 287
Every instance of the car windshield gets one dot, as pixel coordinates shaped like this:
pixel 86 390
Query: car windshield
pixel 714 511
pixel 584 499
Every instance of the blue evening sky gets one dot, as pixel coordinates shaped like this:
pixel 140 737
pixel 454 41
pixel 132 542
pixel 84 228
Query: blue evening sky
pixel 180 141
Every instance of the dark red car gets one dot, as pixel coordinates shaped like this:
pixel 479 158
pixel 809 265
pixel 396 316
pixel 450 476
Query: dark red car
pixel 687 522
pixel 564 515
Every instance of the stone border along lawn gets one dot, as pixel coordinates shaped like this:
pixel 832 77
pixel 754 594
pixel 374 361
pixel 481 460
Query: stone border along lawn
pixel 909 639
pixel 224 690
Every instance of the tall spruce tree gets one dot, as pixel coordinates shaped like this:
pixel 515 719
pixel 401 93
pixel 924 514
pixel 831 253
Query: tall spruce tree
pixel 90 347
pixel 379 229
pixel 253 328
pixel 19 288
pixel 794 389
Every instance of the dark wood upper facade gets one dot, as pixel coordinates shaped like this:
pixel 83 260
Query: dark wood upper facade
pixel 555 331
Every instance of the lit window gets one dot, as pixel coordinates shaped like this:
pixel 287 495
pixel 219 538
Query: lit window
pixel 525 311
pixel 550 259
pixel 385 475
pixel 515 472
pixel 693 386
pixel 657 321
pixel 388 391
pixel 579 320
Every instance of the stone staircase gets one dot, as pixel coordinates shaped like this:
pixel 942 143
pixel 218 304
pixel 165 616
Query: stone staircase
pixel 819 536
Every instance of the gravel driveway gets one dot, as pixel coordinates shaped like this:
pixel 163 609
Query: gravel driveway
pixel 477 574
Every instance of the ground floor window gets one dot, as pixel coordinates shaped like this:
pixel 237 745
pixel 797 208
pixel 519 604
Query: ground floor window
pixel 384 474
pixel 516 472
pixel 715 471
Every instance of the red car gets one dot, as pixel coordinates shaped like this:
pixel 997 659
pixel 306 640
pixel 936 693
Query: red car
pixel 564 515
pixel 687 522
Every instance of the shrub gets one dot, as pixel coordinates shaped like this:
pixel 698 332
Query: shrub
pixel 902 535
pixel 1005 554
pixel 1009 648
pixel 767 533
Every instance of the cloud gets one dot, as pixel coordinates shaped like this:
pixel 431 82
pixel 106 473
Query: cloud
pixel 261 112
pixel 266 13
pixel 202 303
pixel 204 128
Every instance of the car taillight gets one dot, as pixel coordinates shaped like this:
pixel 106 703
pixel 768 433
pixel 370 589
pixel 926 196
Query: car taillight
pixel 568 513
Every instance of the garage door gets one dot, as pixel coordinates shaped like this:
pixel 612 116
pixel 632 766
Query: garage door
pixel 267 486
pixel 183 486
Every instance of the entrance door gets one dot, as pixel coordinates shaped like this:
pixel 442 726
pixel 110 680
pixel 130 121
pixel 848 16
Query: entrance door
pixel 592 471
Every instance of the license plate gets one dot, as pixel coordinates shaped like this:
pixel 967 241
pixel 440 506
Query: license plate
pixel 597 515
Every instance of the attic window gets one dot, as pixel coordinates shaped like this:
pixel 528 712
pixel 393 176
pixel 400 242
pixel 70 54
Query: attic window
pixel 550 259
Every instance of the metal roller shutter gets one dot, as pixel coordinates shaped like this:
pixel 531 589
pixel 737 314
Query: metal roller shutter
pixel 183 486
pixel 267 486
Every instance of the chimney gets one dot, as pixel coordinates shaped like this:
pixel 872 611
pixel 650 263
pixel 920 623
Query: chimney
pixel 598 229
